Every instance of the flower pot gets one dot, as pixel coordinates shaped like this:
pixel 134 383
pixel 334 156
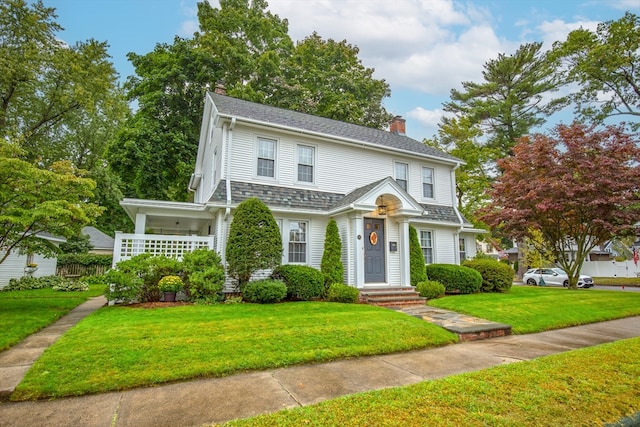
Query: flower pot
pixel 169 296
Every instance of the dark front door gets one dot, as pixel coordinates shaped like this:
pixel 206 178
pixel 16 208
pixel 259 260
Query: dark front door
pixel 374 250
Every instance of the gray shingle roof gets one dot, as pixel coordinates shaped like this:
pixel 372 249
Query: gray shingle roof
pixel 296 198
pixel 440 213
pixel 232 107
pixel 273 195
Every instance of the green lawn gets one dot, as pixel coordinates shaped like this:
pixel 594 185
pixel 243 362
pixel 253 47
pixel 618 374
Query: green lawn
pixel 26 312
pixel 534 309
pixel 586 387
pixel 121 347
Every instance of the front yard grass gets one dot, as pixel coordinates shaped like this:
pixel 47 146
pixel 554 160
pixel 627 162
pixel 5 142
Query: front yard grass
pixel 586 387
pixel 26 312
pixel 535 309
pixel 118 348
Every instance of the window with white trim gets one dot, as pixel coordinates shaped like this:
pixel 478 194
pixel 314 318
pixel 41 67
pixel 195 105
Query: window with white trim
pixel 426 243
pixel 402 174
pixel 427 183
pixel 298 241
pixel 266 157
pixel 306 158
pixel 462 248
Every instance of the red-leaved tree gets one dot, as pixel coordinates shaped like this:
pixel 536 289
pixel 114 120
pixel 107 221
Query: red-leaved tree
pixel 578 187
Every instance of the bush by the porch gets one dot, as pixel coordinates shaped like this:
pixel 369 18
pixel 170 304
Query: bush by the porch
pixel 203 274
pixel 339 292
pixel 303 282
pixel 136 279
pixel 456 279
pixel 266 291
pixel 430 289
pixel 254 241
pixel 496 276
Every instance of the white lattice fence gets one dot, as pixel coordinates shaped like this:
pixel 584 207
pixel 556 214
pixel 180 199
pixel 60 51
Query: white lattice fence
pixel 129 245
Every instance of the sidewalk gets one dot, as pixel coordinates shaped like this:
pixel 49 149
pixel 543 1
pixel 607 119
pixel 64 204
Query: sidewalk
pixel 217 400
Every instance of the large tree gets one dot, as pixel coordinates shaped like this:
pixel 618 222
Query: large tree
pixel 247 48
pixel 326 78
pixel 59 102
pixel 606 66
pixel 461 138
pixel 513 99
pixel 578 188
pixel 34 200
pixel 155 150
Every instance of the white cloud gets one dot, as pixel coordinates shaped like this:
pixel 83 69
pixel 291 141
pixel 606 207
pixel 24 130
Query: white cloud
pixel 428 119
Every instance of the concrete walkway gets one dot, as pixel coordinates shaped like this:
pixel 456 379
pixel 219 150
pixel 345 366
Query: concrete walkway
pixel 15 362
pixel 217 400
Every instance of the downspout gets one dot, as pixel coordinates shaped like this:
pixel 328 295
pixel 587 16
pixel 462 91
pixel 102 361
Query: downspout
pixel 227 210
pixel 456 237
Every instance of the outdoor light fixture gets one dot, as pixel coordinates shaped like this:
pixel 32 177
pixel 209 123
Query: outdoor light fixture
pixel 382 208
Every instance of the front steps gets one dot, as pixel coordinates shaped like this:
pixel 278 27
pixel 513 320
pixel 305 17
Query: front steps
pixel 392 297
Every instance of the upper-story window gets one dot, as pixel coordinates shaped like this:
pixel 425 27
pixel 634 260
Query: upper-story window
pixel 426 243
pixel 266 157
pixel 427 183
pixel 306 157
pixel 402 174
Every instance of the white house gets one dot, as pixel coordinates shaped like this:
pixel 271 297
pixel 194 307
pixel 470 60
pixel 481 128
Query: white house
pixel 18 265
pixel 310 169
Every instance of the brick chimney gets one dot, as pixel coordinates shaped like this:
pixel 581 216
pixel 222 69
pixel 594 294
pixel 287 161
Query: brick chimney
pixel 397 125
pixel 220 89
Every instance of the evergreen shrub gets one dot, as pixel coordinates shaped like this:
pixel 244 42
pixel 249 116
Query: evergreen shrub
pixel 430 289
pixel 203 275
pixel 339 292
pixel 457 279
pixel 266 291
pixel 496 276
pixel 303 282
pixel 331 265
pixel 417 271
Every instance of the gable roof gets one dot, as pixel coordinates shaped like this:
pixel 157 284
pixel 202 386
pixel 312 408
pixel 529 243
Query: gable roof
pixel 229 107
pixel 97 238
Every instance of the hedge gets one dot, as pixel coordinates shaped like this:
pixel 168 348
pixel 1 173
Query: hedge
pixel 457 279
pixel 496 276
pixel 303 282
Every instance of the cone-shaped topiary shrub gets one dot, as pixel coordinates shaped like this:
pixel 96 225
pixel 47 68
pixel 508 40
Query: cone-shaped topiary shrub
pixel 254 241
pixel 331 265
pixel 417 269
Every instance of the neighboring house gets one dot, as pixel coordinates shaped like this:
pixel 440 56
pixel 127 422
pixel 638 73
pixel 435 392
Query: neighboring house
pixel 16 264
pixel 102 244
pixel 307 170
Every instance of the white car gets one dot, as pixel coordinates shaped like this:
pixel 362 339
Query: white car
pixel 553 276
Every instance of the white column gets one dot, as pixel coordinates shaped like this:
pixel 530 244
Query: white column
pixel 358 232
pixel 405 255
pixel 141 222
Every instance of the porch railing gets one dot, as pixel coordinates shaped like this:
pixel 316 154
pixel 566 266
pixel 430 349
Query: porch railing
pixel 129 245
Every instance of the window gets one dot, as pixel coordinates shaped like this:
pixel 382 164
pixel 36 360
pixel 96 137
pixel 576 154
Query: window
pixel 402 174
pixel 426 243
pixel 297 242
pixel 305 163
pixel 266 157
pixel 427 183
pixel 462 247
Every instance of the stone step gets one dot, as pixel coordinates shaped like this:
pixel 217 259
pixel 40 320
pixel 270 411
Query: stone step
pixel 392 297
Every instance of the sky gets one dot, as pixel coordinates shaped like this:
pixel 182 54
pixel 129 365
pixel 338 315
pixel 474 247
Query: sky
pixel 422 48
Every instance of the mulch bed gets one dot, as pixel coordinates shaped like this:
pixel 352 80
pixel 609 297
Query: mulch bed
pixel 159 304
